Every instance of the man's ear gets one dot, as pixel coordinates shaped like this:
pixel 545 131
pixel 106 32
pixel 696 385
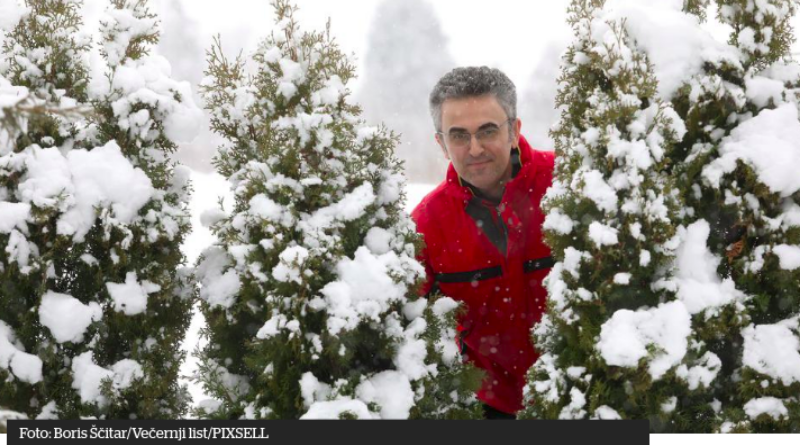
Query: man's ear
pixel 439 141
pixel 517 131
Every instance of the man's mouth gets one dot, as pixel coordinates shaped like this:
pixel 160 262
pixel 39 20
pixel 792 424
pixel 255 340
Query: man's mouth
pixel 471 164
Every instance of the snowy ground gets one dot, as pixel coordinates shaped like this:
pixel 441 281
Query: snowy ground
pixel 208 189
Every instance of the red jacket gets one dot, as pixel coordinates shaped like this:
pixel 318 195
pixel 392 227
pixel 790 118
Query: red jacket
pixel 492 258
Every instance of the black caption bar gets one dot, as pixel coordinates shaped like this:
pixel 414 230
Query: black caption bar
pixel 280 432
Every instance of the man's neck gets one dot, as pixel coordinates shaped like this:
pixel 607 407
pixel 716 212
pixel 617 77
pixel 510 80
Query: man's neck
pixel 493 196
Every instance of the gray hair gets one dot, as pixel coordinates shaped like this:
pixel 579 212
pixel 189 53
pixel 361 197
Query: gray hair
pixel 473 82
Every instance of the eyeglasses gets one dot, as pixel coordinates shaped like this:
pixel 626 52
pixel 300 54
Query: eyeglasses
pixel 462 139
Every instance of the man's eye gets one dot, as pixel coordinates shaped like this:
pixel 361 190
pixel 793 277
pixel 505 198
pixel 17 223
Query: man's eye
pixel 459 137
pixel 487 133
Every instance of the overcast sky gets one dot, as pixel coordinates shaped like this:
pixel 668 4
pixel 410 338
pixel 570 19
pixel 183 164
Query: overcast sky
pixel 518 37
pixel 507 34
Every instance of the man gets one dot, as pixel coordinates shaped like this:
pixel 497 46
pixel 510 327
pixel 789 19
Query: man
pixel 482 229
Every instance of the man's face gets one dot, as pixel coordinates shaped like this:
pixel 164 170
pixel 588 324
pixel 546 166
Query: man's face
pixel 487 164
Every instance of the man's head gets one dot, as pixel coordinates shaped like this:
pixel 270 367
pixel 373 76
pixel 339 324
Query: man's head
pixel 474 111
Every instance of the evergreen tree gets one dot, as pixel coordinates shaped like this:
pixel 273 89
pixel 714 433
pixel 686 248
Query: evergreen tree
pixel 98 214
pixel 407 55
pixel 734 167
pixel 15 105
pixel 732 268
pixel 616 341
pixel 310 294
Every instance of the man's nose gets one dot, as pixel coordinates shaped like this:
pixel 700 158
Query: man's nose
pixel 475 147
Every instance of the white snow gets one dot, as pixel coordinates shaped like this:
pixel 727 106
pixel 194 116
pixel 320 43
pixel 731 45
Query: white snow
pixel 391 188
pixel 47 176
pixel 331 93
pixel 88 376
pixel 14 216
pixel 625 336
pixel 635 152
pixel 263 207
pixel 66 317
pixel 19 251
pixel 670 405
pixel 351 207
pixel 26 367
pixel 293 75
pixel 789 256
pixel 573 259
pixel 125 372
pixel 414 309
pixel 444 306
pixel 774 350
pixel 644 258
pixel 219 287
pixel 674 41
pixel 787 72
pixel 410 357
pixel 290 266
pixel 212 216
pixel 274 325
pixel 364 289
pixel 130 297
pixel 551 388
pixel 391 390
pixel 622 279
pixel 575 408
pixel 148 81
pixel 332 409
pixel 770 142
pixel 119 27
pixel 598 190
pixel 11 12
pixel 703 374
pixel 603 235
pixel 103 177
pixel 761 90
pixel 48 412
pixel 699 286
pixel 791 215
pixel 606 413
pixel 770 406
pixel 556 221
pixel 378 240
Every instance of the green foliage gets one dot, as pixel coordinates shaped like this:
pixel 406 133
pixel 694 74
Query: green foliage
pixel 313 186
pixel 741 210
pixel 52 25
pixel 609 97
pixel 762 30
pixel 47 55
pixel 696 7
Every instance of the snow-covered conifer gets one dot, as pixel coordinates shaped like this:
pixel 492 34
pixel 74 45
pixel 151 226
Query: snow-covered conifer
pixel 733 265
pixel 616 338
pixel 95 301
pixel 310 294
pixel 737 175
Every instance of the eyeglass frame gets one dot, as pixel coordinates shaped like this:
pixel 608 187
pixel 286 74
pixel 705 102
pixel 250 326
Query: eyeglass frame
pixel 475 135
